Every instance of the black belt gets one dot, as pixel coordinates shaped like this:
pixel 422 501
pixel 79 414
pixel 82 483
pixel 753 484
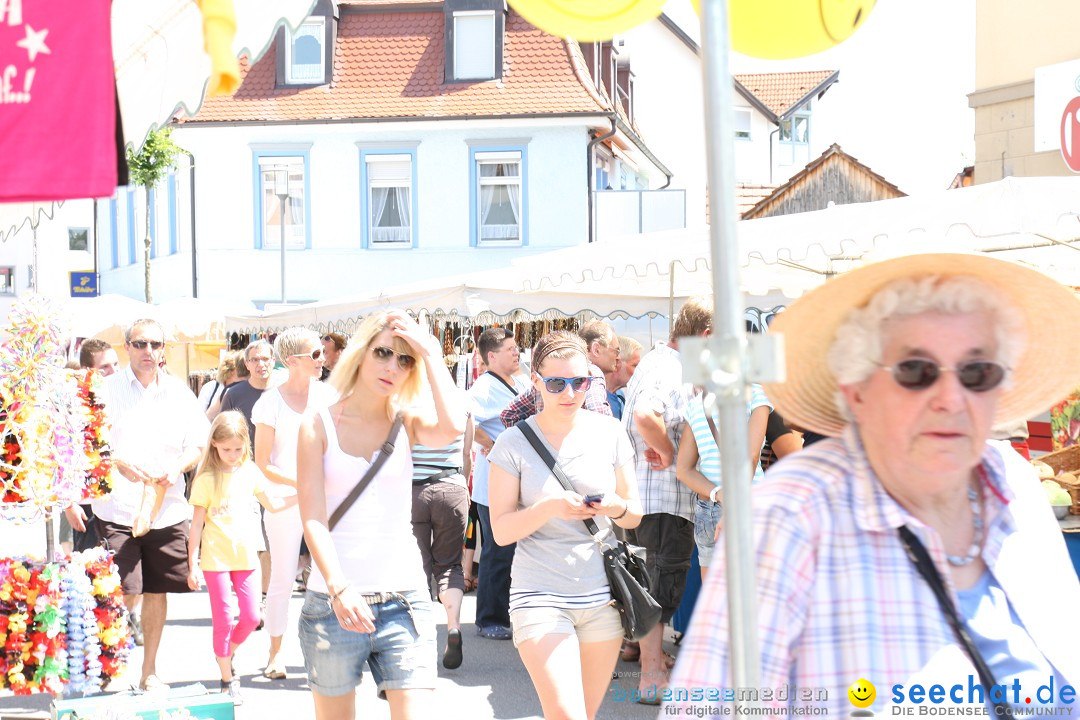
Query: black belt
pixel 437 476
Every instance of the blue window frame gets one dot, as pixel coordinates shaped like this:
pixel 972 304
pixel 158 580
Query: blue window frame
pixel 268 228
pixel 388 199
pixel 795 129
pixel 498 196
pixel 174 241
pixel 114 232
pixel 131 225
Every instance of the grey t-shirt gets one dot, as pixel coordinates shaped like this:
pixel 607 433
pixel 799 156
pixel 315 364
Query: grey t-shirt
pixel 242 398
pixel 561 556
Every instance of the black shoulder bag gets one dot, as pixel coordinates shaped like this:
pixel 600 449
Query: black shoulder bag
pixel 925 565
pixel 624 564
pixel 373 469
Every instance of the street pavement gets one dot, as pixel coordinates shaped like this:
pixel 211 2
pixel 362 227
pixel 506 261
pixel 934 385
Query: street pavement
pixel 491 683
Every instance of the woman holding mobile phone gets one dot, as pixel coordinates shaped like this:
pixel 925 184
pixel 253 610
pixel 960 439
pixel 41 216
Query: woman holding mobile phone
pixel 565 628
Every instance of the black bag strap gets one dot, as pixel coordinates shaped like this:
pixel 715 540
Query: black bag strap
pixel 501 379
pixel 386 451
pixel 553 465
pixel 925 565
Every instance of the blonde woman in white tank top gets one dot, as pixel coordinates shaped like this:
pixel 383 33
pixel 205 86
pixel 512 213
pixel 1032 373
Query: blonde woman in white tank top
pixel 367 600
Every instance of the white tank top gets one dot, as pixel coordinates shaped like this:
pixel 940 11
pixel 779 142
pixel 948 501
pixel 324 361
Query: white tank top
pixel 374 540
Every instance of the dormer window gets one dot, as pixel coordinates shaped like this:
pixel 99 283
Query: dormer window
pixel 474 40
pixel 305 53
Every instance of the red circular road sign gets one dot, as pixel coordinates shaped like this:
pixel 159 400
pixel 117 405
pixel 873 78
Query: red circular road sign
pixel 1070 134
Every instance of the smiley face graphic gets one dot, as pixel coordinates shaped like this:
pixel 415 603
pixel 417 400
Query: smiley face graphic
pixel 862 693
pixel 587 20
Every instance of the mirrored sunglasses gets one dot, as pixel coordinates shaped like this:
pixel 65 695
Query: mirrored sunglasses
pixel 556 385
pixel 141 344
pixel 919 374
pixel 383 354
pixel 314 354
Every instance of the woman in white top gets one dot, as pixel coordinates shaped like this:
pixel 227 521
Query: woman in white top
pixel 367 600
pixel 277 416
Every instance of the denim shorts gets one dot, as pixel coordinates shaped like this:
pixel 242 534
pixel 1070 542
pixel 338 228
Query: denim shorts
pixel 706 517
pixel 401 653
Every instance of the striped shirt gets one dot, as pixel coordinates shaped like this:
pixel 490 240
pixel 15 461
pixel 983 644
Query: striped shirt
pixel 522 599
pixel 152 428
pixel 839 600
pixel 657 385
pixel 428 461
pixel 708 453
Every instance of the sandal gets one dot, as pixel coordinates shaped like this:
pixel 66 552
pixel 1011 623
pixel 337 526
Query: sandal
pixel 631 652
pixel 275 672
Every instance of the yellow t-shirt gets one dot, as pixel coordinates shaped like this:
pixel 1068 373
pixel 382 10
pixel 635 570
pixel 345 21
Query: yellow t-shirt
pixel 232 518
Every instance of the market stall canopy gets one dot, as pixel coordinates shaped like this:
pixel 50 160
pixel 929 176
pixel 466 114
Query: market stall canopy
pixel 185 320
pixel 162 67
pixel 1032 220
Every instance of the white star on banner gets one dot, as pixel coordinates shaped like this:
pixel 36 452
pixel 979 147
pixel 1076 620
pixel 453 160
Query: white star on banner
pixel 34 43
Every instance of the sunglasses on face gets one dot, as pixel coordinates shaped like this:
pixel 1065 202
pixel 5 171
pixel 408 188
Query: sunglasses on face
pixel 919 374
pixel 141 344
pixel 383 354
pixel 556 385
pixel 314 354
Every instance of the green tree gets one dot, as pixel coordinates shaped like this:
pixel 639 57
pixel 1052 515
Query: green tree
pixel 147 168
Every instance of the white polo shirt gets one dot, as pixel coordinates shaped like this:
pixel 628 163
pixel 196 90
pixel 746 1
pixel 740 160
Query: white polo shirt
pixel 152 427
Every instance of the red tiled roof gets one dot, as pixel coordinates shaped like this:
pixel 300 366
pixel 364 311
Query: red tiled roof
pixel 780 91
pixel 391 65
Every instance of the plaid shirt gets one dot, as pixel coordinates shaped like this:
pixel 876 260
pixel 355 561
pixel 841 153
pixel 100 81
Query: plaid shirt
pixel 527 404
pixel 657 385
pixel 838 599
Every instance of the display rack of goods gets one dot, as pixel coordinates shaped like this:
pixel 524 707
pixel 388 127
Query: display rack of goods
pixel 1063 468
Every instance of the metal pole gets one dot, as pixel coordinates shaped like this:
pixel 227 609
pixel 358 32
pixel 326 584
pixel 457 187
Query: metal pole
pixel 282 200
pixel 728 375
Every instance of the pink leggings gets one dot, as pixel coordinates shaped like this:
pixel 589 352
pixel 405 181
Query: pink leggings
pixel 225 633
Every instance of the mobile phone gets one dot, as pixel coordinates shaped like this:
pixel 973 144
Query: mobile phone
pixel 592 499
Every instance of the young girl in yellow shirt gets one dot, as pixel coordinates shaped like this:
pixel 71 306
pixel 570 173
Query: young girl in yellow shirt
pixel 225 526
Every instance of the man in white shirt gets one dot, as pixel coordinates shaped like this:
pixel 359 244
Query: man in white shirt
pixel 158 432
pixel 488 397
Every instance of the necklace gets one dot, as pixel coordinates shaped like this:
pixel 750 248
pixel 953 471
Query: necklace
pixel 977 522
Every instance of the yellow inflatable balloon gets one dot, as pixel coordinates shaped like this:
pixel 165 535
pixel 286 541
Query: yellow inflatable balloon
pixel 587 20
pixel 784 29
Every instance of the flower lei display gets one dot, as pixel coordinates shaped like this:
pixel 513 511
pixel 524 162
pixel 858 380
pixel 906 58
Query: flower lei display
pixel 61 624
pixel 53 431
pixel 95 435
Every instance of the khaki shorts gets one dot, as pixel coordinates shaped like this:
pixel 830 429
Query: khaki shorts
pixel 591 625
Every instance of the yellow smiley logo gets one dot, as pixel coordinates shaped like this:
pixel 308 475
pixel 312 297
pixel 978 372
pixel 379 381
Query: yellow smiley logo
pixel 587 20
pixel 862 693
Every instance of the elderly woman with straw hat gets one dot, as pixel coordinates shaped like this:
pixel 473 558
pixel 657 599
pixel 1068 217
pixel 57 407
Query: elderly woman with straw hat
pixel 907 553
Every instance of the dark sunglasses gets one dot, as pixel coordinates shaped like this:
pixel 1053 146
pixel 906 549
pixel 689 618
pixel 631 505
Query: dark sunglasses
pixel 383 354
pixel 556 385
pixel 141 344
pixel 919 374
pixel 314 354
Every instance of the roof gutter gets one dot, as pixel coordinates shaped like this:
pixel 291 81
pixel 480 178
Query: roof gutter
pixel 589 154
pixel 405 118
pixel 640 144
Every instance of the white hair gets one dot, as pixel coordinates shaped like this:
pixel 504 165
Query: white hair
pixel 856 351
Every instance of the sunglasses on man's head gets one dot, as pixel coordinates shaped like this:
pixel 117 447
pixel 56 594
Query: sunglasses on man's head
pixel 314 354
pixel 556 385
pixel 919 374
pixel 383 354
pixel 141 344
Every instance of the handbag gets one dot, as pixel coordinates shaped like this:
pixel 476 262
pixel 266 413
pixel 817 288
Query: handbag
pixel 925 565
pixel 385 452
pixel 624 564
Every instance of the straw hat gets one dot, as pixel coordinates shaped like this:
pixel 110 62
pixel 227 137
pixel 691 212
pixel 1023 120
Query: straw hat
pixel 1048 368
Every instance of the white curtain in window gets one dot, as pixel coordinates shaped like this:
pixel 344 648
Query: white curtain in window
pixel 388 226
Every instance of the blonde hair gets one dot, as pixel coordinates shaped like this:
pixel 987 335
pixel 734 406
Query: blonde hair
pixel 293 341
pixel 344 375
pixel 694 318
pixel 229 425
pixel 228 367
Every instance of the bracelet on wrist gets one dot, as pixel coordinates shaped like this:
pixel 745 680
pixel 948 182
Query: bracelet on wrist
pixel 337 595
pixel 626 509
pixel 712 493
